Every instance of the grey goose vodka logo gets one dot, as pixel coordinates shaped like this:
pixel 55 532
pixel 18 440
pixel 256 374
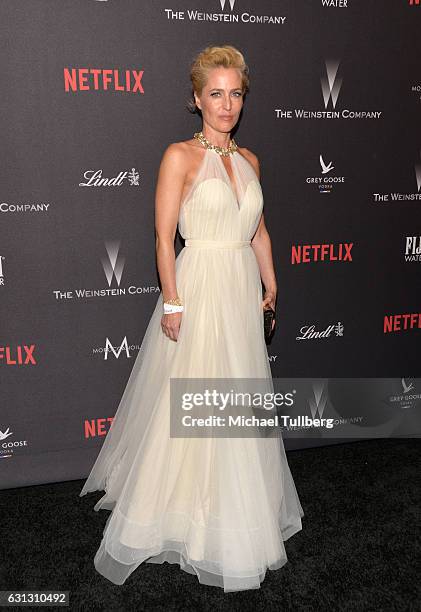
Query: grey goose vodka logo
pixel 113 266
pixel 406 395
pixel 8 447
pixel 226 11
pixel 94 178
pixel 397 196
pixel 327 179
pixel 331 83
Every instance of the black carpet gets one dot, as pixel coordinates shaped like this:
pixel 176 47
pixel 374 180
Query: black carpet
pixel 357 551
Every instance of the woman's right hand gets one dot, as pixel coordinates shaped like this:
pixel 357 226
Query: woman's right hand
pixel 170 324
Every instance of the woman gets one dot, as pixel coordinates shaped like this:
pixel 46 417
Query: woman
pixel 221 507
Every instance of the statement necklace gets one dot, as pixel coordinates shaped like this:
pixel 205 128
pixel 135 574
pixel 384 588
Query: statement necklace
pixel 220 150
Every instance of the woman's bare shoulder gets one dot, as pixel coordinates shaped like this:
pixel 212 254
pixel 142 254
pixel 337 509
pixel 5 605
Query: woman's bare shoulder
pixel 251 157
pixel 182 151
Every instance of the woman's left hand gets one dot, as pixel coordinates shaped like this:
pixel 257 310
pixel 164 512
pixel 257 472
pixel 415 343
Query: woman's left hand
pixel 269 299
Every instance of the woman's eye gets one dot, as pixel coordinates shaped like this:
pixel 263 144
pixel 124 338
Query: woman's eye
pixel 216 93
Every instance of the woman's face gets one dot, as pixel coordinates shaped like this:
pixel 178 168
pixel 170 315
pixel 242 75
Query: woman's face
pixel 221 99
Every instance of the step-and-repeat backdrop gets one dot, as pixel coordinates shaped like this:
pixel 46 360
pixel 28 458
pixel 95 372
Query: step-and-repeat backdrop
pixel 92 92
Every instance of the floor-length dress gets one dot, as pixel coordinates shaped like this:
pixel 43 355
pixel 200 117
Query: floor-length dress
pixel 219 507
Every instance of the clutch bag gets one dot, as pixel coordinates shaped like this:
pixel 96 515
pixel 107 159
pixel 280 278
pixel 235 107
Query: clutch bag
pixel 269 315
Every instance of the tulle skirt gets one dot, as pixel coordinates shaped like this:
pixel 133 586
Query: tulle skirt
pixel 220 507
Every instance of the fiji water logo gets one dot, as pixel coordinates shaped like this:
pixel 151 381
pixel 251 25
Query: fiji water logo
pixel 413 248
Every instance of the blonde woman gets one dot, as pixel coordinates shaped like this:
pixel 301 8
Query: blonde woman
pixel 219 506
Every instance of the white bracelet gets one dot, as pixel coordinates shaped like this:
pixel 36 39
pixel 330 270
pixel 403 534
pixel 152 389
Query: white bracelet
pixel 170 308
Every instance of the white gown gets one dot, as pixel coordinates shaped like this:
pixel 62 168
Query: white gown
pixel 219 507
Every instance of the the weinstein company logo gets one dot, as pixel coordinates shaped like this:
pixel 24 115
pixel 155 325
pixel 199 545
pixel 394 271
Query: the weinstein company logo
pixel 95 79
pixel 8 447
pixel 310 253
pixel 396 196
pixel 228 13
pixel 309 332
pixel 21 207
pixel 94 178
pixel 113 266
pixel 331 84
pixel 327 179
pixel 318 403
pixel 413 248
pixel 1 270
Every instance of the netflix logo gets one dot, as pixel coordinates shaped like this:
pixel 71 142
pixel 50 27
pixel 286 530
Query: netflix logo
pixel 97 427
pixel 19 355
pixel 309 253
pixel 84 79
pixel 401 322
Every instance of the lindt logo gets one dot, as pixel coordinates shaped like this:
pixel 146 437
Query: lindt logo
pixel 94 178
pixel 83 79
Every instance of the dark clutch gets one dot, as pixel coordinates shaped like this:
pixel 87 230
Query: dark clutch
pixel 269 315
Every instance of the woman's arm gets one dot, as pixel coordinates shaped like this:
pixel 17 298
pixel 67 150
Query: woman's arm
pixel 169 190
pixel 167 204
pixel 262 247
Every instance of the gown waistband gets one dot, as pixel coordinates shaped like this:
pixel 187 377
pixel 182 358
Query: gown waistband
pixel 218 244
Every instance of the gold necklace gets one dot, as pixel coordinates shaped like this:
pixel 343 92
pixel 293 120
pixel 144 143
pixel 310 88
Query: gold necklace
pixel 220 150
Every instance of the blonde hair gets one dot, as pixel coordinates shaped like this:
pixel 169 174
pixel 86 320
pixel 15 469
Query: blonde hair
pixel 213 57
